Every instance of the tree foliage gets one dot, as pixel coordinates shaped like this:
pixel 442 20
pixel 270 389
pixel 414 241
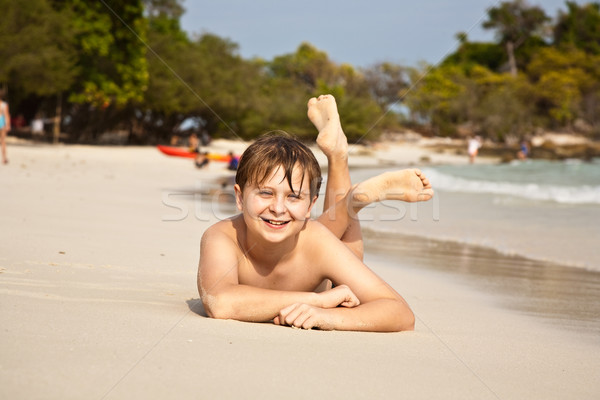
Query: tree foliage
pixel 109 40
pixel 127 65
pixel 36 48
pixel 580 26
pixel 515 22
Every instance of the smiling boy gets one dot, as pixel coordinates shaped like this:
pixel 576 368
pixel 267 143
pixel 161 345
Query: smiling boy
pixel 266 263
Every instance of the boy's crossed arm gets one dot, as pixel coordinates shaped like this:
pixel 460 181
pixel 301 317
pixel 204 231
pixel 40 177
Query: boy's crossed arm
pixel 382 309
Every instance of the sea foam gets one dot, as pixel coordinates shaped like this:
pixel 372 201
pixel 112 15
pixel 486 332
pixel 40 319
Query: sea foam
pixel 583 194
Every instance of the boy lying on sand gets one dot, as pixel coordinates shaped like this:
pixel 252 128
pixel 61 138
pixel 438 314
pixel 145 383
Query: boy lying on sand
pixel 267 262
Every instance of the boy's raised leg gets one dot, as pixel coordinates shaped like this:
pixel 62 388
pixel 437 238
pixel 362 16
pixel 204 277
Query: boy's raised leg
pixel 323 113
pixel 342 201
pixel 408 185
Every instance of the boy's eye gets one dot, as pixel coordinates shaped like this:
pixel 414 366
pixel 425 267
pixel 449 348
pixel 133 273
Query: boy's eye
pixel 264 192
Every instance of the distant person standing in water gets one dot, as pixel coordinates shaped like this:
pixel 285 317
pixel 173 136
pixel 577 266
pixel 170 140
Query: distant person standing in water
pixel 4 125
pixel 233 162
pixel 523 151
pixel 473 148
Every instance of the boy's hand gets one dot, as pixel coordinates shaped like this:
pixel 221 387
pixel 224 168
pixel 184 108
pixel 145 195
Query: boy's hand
pixel 304 316
pixel 339 296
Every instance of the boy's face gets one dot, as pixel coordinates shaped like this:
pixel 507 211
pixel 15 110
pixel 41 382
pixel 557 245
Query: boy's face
pixel 272 210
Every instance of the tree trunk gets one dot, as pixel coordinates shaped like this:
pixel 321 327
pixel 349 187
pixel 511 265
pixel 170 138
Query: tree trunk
pixel 57 117
pixel 510 49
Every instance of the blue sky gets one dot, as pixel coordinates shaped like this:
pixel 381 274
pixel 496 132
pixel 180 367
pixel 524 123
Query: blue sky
pixel 360 33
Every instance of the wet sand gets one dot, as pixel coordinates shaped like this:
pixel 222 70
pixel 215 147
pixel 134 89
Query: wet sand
pixel 98 299
pixel 562 296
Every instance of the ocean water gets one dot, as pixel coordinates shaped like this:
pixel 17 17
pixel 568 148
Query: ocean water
pixel 567 182
pixel 541 210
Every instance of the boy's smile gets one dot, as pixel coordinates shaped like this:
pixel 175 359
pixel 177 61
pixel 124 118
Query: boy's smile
pixel 274 223
pixel 272 210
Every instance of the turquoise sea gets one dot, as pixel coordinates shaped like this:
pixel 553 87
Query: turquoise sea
pixel 541 210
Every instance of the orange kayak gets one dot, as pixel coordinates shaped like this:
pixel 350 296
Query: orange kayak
pixel 183 152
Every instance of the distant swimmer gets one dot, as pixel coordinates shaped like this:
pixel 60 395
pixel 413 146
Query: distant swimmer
pixel 273 263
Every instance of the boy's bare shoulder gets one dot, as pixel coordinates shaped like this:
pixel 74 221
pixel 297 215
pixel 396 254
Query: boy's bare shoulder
pixel 317 233
pixel 224 230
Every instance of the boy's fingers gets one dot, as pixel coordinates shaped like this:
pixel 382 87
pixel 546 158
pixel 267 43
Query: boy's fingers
pixel 294 314
pixel 288 309
pixel 299 321
pixel 308 323
pixel 285 314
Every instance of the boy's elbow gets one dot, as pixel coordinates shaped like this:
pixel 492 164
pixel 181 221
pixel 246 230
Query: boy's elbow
pixel 405 320
pixel 408 321
pixel 216 307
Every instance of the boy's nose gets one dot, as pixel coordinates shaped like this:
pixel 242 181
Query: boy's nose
pixel 278 205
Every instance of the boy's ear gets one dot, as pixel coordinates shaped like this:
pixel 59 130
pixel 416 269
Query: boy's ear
pixel 238 196
pixel 312 203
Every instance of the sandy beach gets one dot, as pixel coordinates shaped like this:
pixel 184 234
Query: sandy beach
pixel 98 258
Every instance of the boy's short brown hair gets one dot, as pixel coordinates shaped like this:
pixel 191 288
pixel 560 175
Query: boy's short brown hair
pixel 269 152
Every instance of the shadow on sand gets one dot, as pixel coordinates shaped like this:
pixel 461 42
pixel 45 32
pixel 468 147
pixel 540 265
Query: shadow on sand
pixel 195 305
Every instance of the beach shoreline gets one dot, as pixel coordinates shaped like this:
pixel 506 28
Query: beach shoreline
pixel 98 299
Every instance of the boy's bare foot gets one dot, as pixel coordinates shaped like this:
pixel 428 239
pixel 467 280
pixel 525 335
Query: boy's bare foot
pixel 322 112
pixel 406 185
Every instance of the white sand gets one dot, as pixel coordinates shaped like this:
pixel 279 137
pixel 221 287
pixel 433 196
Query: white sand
pixel 98 300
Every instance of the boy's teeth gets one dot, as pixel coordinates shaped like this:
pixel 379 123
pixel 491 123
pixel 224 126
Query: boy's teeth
pixel 276 222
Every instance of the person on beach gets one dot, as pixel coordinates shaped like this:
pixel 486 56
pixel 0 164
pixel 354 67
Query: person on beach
pixel 201 159
pixel 523 152
pixel 273 263
pixel 4 126
pixel 473 148
pixel 233 162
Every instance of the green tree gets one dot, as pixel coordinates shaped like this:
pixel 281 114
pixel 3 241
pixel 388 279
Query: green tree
pixel 309 72
pixel 515 22
pixel 579 26
pixel 110 39
pixel 166 10
pixel 433 98
pixel 386 82
pixel 306 66
pixel 566 81
pixel 167 101
pixel 38 53
pixel 489 55
pixel 36 48
pixel 503 107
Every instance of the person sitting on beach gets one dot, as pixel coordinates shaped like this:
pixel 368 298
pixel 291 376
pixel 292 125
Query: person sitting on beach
pixel 193 144
pixel 201 160
pixel 233 162
pixel 273 263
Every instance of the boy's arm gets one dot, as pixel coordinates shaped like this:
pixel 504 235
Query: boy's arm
pixel 381 309
pixel 225 298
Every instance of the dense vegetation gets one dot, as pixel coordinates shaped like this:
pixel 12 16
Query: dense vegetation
pixel 127 65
